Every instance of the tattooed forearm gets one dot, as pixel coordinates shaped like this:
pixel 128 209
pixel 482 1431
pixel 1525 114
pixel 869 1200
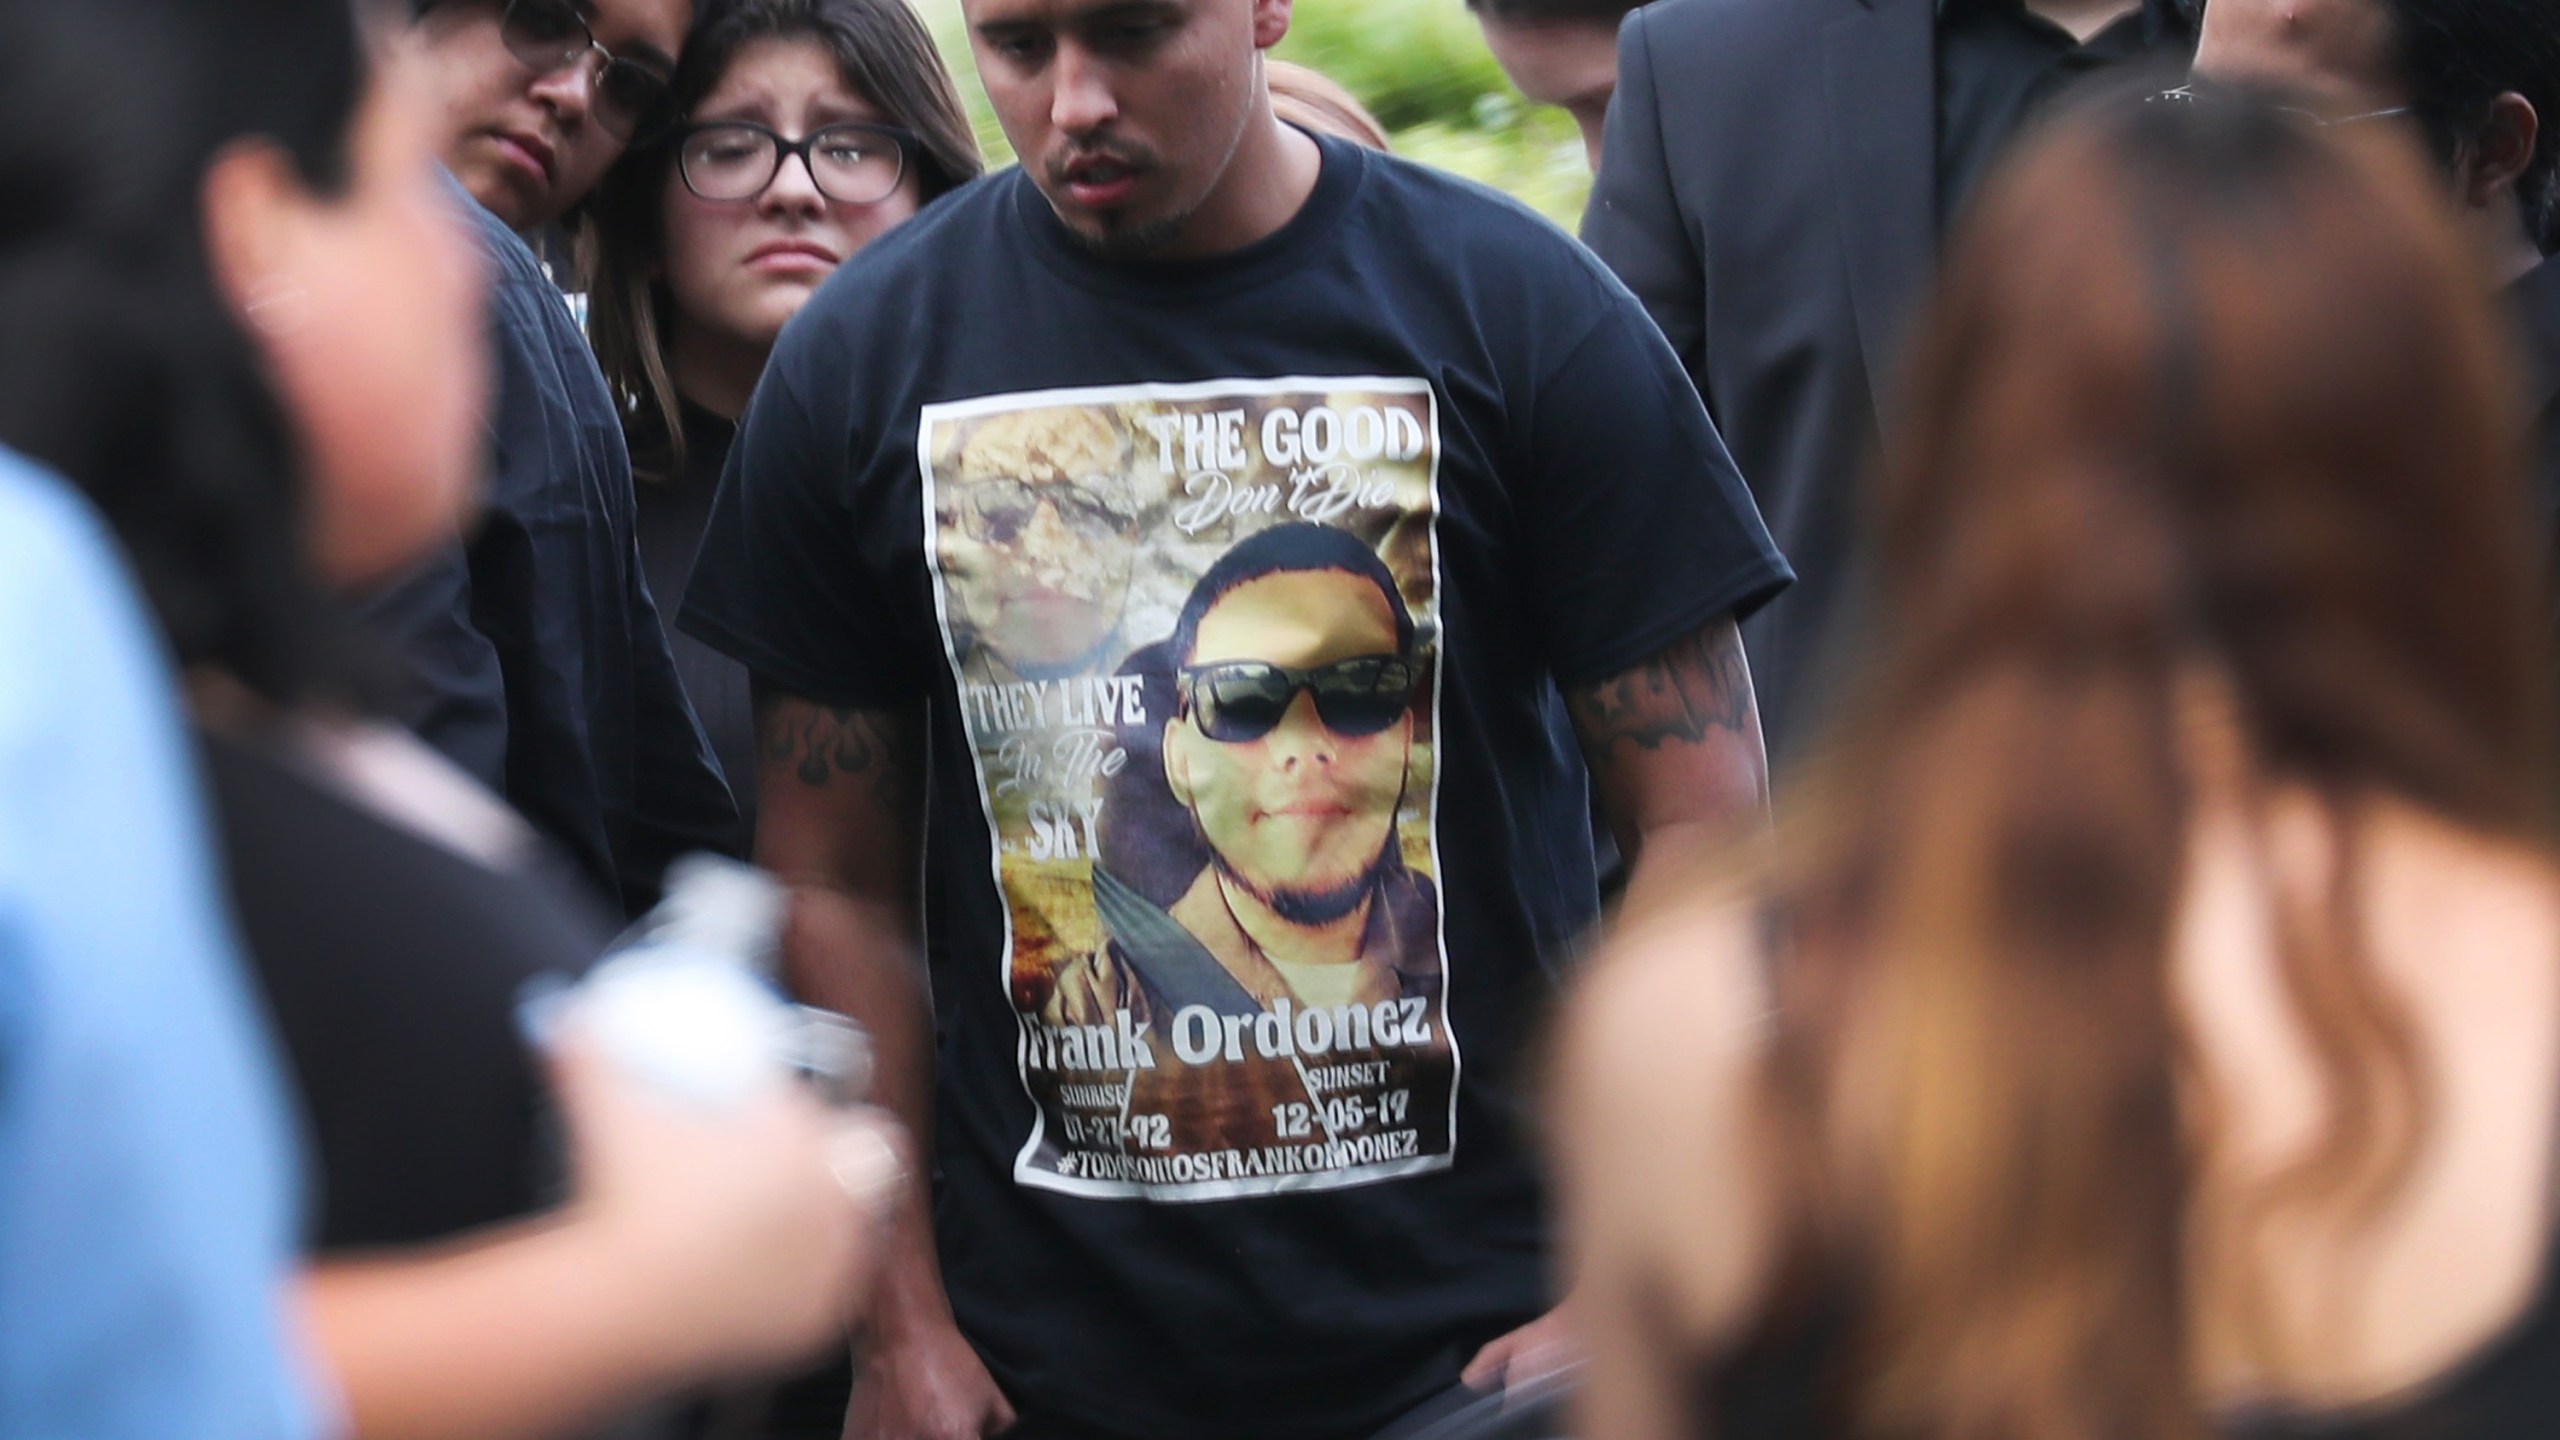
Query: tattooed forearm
pixel 813 743
pixel 1674 747
pixel 1692 689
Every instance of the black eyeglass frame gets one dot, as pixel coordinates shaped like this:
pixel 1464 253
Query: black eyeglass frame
pixel 627 92
pixel 904 141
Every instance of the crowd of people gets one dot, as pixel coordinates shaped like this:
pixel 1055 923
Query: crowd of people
pixel 1196 622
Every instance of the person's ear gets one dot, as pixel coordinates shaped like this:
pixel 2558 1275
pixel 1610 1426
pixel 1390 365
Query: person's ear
pixel 1270 22
pixel 2501 152
pixel 255 217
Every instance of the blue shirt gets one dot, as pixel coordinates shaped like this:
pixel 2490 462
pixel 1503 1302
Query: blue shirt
pixel 146 1216
pixel 542 667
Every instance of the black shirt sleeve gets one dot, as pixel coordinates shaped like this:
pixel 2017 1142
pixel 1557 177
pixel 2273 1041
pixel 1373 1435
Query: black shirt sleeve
pixel 546 671
pixel 1637 524
pixel 455 698
pixel 785 583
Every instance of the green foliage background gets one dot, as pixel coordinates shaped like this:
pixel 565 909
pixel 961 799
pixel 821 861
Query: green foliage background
pixel 1419 65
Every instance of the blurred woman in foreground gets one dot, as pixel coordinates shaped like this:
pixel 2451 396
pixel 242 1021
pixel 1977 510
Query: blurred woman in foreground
pixel 2151 1025
pixel 242 312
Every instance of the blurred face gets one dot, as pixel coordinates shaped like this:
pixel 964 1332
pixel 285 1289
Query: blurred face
pixel 528 143
pixel 2334 56
pixel 739 268
pixel 1038 529
pixel 2337 58
pixel 384 381
pixel 1051 560
pixel 1302 813
pixel 1127 113
pixel 1570 64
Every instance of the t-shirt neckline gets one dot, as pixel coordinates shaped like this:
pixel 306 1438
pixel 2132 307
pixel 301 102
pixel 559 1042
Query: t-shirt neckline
pixel 1344 167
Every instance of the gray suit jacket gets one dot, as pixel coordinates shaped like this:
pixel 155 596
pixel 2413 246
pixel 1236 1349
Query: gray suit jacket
pixel 1769 192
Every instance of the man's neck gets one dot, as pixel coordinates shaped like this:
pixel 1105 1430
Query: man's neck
pixel 1267 181
pixel 715 372
pixel 2083 18
pixel 1337 942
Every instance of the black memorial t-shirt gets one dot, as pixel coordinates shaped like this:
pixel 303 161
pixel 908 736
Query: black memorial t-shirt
pixel 1242 591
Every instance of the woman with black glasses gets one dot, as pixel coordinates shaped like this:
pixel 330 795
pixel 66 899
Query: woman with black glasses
pixel 808 129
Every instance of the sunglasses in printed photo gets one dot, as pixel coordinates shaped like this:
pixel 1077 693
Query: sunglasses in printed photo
pixel 1238 701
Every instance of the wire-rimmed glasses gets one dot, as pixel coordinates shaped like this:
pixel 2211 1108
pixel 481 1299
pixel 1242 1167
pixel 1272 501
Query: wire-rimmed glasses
pixel 547 36
pixel 2188 94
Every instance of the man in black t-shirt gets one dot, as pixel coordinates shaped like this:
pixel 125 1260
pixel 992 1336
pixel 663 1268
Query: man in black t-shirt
pixel 1188 550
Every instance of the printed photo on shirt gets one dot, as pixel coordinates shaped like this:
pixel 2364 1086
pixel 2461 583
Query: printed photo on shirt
pixel 1195 631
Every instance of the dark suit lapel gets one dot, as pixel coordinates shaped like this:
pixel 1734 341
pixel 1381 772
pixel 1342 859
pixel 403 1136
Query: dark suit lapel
pixel 1880 69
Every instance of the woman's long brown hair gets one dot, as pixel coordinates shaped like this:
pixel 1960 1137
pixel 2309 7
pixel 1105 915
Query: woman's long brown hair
pixel 2208 391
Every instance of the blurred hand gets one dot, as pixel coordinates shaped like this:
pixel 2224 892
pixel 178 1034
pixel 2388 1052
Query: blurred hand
pixel 752 1229
pixel 1535 1350
pixel 925 1383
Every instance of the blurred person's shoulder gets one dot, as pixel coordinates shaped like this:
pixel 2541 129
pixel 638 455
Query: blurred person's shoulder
pixel 50 541
pixel 60 573
pixel 33 504
pixel 1657 1107
pixel 1682 983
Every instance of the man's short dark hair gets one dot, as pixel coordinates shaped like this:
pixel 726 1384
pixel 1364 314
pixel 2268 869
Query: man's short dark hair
pixel 2457 56
pixel 1556 12
pixel 1295 548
